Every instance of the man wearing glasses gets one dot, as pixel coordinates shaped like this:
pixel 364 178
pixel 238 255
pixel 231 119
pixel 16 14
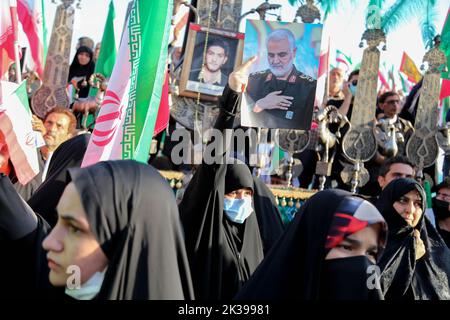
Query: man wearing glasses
pixel 389 104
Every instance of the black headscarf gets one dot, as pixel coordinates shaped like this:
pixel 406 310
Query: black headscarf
pixel 24 263
pixel 222 254
pixel 68 155
pixel 294 265
pixel 77 70
pixel 402 276
pixel 269 218
pixel 133 214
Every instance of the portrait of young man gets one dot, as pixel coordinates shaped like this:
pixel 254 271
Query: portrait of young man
pixel 211 74
pixel 280 95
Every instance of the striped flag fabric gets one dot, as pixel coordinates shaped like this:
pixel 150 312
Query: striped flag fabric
pixel 406 86
pixel 445 46
pixel 16 128
pixel 324 68
pixel 383 81
pixel 6 40
pixel 343 61
pixel 408 67
pixel 126 121
pixel 31 17
pixel 106 58
pixel 108 51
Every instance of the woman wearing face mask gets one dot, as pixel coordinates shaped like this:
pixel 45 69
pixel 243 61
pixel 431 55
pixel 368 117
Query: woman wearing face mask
pixel 416 262
pixel 328 252
pixel 222 236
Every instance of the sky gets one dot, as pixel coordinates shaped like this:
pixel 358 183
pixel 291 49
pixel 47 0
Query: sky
pixel 347 26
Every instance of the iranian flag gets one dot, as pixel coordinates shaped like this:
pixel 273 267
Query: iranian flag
pixel 32 19
pixel 126 121
pixel 322 74
pixel 108 51
pixel 15 125
pixel 406 86
pixel 343 59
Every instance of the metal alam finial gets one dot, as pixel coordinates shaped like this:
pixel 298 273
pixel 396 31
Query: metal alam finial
pixel 308 12
pixel 68 3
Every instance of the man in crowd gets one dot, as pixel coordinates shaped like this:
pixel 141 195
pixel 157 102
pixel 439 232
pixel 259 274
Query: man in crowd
pixel 217 53
pixel 58 126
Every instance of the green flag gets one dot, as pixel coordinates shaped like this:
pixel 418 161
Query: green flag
pixel 426 186
pixel 108 52
pixel 445 44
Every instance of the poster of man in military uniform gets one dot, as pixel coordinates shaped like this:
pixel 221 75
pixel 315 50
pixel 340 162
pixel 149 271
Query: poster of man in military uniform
pixel 281 89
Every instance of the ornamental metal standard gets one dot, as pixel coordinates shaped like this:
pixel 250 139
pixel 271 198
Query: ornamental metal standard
pixel 359 143
pixel 53 93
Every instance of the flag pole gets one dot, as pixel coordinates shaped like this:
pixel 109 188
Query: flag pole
pixel 14 19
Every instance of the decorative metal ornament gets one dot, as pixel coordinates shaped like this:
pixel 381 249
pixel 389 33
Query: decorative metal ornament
pixel 53 93
pixel 359 143
pixel 392 136
pixel 443 138
pixel 422 148
pixel 292 141
pixel 224 13
pixel 34 82
pixel 327 140
pixel 308 12
pixel 347 174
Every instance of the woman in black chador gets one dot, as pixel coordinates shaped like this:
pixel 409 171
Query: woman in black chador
pixel 328 252
pixel 416 262
pixel 68 155
pixel 222 231
pixel 118 224
pixel 81 68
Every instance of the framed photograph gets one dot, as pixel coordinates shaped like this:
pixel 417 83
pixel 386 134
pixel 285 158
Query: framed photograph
pixel 282 82
pixel 209 58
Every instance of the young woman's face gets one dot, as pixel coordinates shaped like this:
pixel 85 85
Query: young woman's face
pixel 409 206
pixel 362 243
pixel 84 58
pixel 71 245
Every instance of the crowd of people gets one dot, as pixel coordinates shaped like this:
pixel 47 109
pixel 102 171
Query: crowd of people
pixel 114 230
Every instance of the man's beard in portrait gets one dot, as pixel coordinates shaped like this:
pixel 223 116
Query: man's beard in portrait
pixel 280 70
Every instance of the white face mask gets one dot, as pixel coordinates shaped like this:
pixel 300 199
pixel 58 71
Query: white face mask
pixel 237 210
pixel 89 289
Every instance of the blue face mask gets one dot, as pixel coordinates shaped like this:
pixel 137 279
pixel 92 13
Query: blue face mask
pixel 237 210
pixel 352 89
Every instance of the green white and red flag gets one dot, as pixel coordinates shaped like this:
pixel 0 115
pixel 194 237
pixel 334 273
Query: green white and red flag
pixel 125 124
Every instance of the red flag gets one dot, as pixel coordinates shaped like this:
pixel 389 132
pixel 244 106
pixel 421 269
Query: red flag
pixel 445 89
pixel 383 81
pixel 31 18
pixel 323 62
